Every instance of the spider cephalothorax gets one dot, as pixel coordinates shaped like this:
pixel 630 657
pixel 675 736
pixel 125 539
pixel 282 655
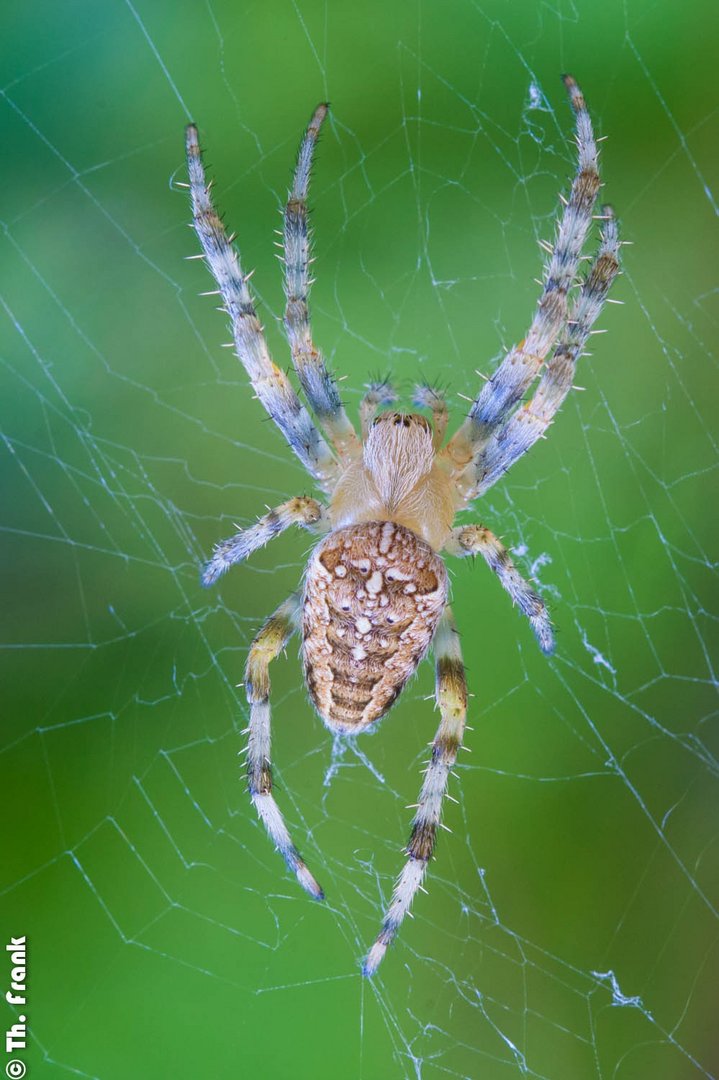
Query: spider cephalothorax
pixel 375 592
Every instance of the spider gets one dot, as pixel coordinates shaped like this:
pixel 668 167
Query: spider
pixel 375 593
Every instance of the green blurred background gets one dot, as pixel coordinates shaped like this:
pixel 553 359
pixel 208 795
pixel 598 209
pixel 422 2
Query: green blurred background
pixel 570 929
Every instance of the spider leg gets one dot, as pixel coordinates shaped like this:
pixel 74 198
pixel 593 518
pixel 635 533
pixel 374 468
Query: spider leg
pixel 451 696
pixel 476 539
pixel 378 394
pixel 268 644
pixel 317 382
pixel 431 397
pixel 520 367
pixel 308 513
pixel 270 383
pixel 529 423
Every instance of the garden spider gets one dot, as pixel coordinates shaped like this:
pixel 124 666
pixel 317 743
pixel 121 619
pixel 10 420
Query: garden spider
pixel 375 588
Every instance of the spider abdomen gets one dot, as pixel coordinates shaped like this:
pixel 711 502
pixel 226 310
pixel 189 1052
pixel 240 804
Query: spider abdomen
pixel 373 595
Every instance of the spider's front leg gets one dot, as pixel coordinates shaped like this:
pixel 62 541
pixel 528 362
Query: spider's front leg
pixel 317 382
pixel 451 696
pixel 270 382
pixel 529 422
pixel 522 364
pixel 478 540
pixel 268 644
pixel 308 513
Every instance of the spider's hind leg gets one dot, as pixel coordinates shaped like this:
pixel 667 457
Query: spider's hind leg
pixel 268 644
pixel 451 696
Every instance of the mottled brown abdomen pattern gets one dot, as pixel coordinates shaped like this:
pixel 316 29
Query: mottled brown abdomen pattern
pixel 373 596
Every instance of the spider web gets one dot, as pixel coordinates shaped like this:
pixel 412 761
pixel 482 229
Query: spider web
pixel 571 924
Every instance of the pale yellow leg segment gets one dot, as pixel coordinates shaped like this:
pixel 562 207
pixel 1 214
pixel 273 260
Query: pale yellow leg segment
pixel 428 397
pixel 378 394
pixel 268 644
pixel 308 513
pixel 478 540
pixel 451 696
